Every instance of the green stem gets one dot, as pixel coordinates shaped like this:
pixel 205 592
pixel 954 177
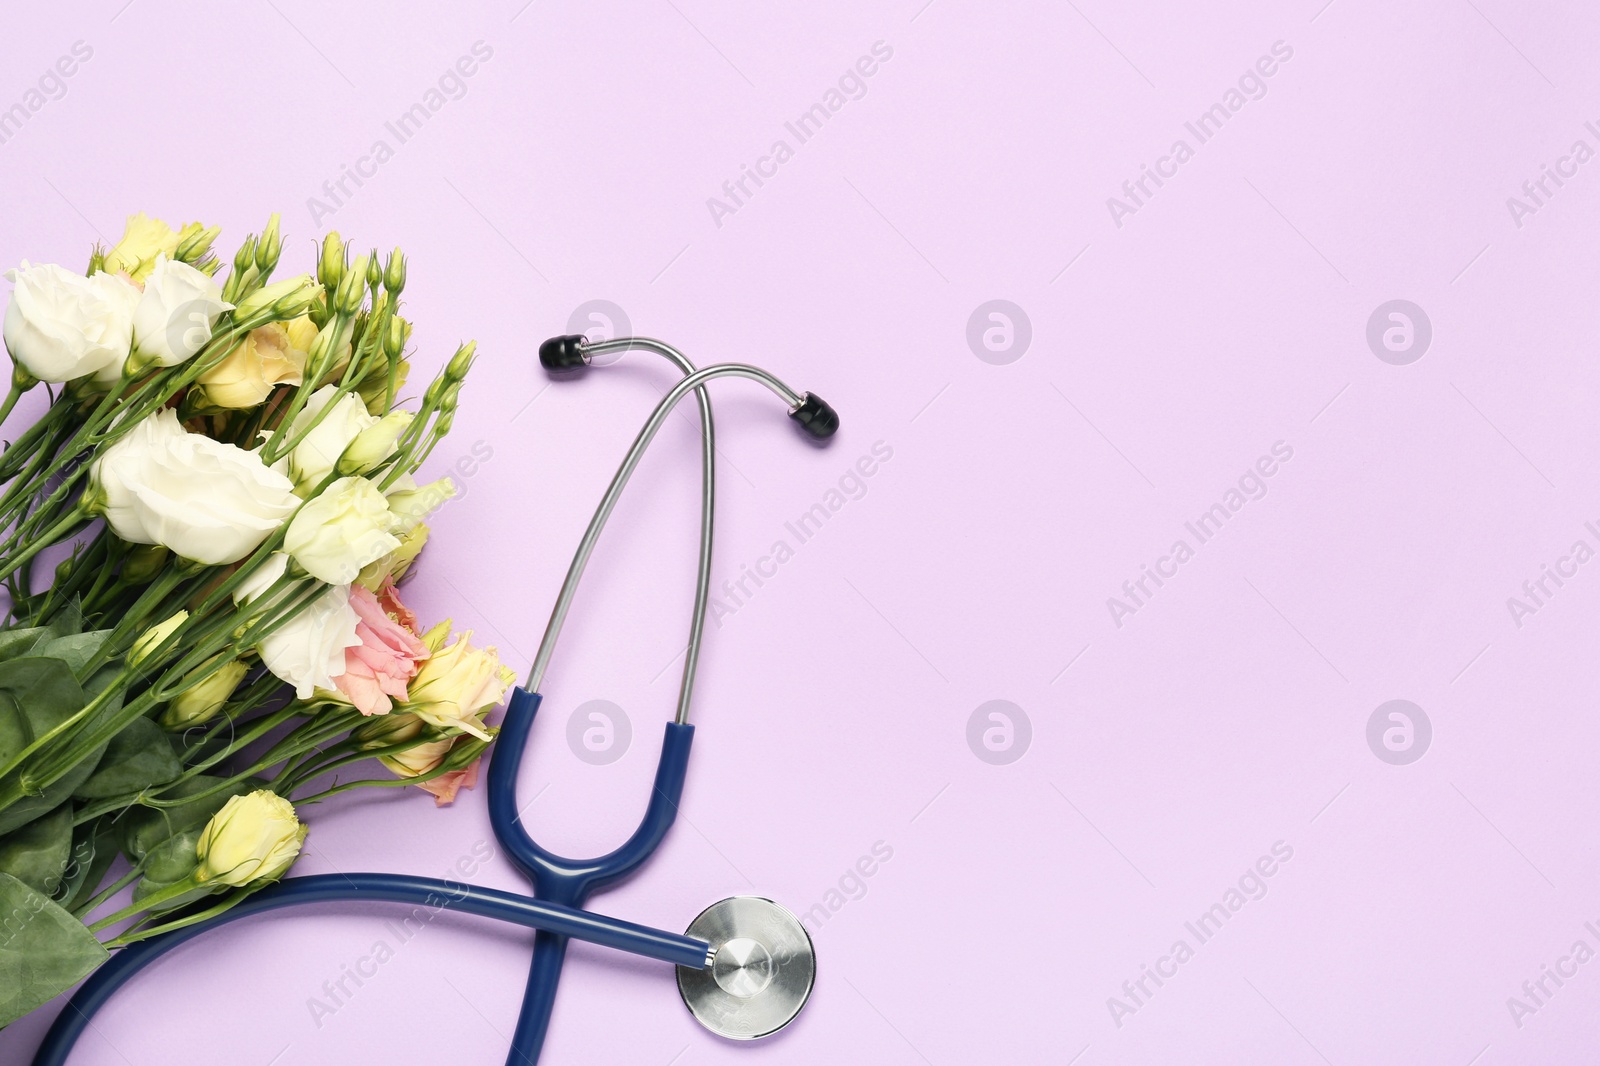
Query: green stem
pixel 116 886
pixel 54 534
pixel 11 399
pixel 172 891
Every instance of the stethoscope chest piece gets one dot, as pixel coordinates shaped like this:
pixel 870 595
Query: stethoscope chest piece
pixel 762 973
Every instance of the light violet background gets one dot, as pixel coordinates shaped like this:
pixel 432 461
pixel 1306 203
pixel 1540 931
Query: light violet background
pixel 1228 313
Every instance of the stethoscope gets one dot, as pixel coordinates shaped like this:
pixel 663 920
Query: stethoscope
pixel 745 964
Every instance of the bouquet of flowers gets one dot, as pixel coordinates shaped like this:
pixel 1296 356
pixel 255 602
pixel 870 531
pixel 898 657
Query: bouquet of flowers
pixel 226 473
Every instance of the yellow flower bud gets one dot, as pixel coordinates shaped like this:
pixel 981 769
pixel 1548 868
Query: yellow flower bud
pixel 397 563
pixel 411 505
pixel 143 239
pixel 152 638
pixel 461 362
pixel 255 837
pixel 200 702
pixel 375 443
pixel 280 300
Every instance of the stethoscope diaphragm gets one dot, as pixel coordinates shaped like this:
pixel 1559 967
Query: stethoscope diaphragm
pixel 762 969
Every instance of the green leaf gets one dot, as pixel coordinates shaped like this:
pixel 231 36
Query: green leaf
pixel 94 848
pixel 40 852
pixel 139 756
pixel 75 650
pixel 43 950
pixel 145 828
pixel 18 642
pixel 37 694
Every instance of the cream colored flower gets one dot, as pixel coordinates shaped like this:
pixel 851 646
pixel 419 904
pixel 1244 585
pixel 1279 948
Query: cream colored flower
pixel 458 684
pixel 411 503
pixel 375 443
pixel 308 650
pixel 263 359
pixel 302 331
pixel 342 529
pixel 60 326
pixel 207 500
pixel 322 438
pixel 255 837
pixel 176 314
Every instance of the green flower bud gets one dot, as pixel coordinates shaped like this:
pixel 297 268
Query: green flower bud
pixel 270 246
pixel 386 730
pixel 352 288
pixel 195 242
pixel 154 637
pixel 141 565
pixel 330 267
pixel 394 341
pixel 245 257
pixel 461 362
pixel 374 271
pixel 394 274
pixel 201 701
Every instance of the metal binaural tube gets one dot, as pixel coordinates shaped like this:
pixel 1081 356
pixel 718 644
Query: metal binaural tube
pixel 619 481
pixel 708 492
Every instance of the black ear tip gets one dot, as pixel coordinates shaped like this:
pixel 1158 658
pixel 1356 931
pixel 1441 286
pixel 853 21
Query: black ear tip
pixel 563 353
pixel 816 417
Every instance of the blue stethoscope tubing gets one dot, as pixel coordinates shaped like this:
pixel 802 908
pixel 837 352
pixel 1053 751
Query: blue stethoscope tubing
pixel 561 886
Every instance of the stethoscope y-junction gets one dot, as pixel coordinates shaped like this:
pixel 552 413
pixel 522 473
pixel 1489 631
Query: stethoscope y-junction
pixel 745 964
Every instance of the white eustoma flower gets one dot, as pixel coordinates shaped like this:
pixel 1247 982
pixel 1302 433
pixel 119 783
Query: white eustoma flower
pixel 206 500
pixel 308 650
pixel 314 457
pixel 60 325
pixel 176 314
pixel 345 527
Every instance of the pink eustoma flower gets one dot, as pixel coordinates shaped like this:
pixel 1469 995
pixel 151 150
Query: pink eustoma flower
pixel 378 669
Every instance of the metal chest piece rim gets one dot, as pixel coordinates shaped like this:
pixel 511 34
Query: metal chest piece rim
pixel 763 968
